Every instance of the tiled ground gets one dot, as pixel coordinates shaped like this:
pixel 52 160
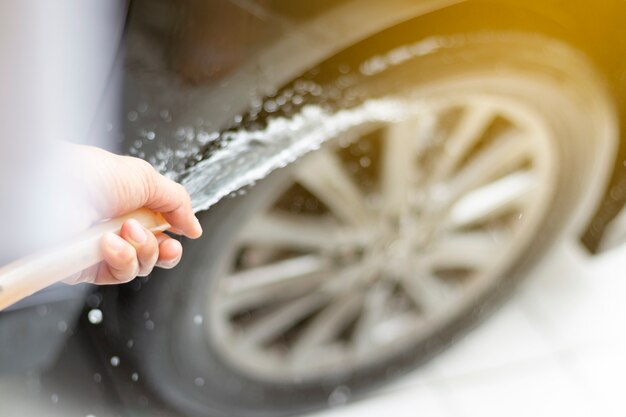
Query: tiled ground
pixel 556 349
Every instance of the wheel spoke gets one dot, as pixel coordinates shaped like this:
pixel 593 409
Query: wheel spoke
pixel 325 177
pixel 375 306
pixel 399 169
pixel 322 356
pixel 426 291
pixel 466 133
pixel 258 278
pixel 274 324
pixel 279 230
pixel 492 200
pixel 501 156
pixel 273 282
pixel 473 250
pixel 328 324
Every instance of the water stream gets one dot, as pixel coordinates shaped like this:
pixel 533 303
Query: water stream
pixel 252 155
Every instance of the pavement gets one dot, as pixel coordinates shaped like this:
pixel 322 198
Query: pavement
pixel 557 348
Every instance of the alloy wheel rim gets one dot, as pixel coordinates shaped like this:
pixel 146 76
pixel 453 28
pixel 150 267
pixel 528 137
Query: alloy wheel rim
pixel 363 253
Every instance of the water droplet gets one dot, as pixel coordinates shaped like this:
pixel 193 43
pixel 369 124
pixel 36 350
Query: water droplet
pixel 365 162
pixel 94 316
pixel 54 398
pixel 97 378
pixel 270 106
pixel 94 300
pixel 149 325
pixel 90 415
pixel 130 343
pixel 300 86
pixel 42 310
pixel 134 377
pixel 62 326
pixel 316 90
pixel 281 101
pixel 115 360
pixel 339 396
pixel 150 135
pixel 142 107
pixel 132 116
pixel 146 315
pixel 198 319
pixel 199 382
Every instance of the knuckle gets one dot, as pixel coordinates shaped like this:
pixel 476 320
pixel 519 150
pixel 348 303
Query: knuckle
pixel 152 244
pixel 127 257
pixel 149 253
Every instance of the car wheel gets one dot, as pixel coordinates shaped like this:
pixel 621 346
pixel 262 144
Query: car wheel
pixel 462 160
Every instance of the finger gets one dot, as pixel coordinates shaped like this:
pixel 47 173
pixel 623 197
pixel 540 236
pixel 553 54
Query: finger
pixel 168 197
pixel 120 261
pixel 137 184
pixel 174 202
pixel 144 242
pixel 170 252
pixel 176 231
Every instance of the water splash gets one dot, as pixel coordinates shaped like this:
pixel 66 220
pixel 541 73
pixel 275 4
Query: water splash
pixel 252 155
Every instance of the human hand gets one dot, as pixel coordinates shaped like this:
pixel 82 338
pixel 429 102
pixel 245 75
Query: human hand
pixel 114 185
